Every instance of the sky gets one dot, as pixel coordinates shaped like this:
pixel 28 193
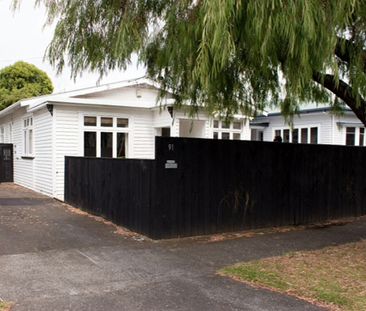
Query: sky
pixel 24 37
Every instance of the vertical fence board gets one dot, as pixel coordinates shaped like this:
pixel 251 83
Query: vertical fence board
pixel 220 186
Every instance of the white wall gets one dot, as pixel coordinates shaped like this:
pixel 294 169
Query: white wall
pixel 31 172
pixel 43 161
pixel 68 133
pixel 161 117
pixel 134 96
pixel 23 168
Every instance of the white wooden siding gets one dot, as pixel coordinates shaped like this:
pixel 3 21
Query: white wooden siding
pixel 136 96
pixel 143 135
pixel 43 160
pixel 69 135
pixel 66 135
pixel 23 168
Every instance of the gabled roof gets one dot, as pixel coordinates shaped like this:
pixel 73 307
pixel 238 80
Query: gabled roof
pixel 73 97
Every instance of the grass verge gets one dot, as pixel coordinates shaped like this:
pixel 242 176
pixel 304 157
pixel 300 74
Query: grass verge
pixel 334 277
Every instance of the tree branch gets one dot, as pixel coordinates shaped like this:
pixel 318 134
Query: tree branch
pixel 344 92
pixel 344 49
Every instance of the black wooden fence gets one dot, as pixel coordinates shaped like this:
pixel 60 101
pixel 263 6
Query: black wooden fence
pixel 198 186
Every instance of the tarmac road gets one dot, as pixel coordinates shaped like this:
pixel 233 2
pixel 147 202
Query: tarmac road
pixel 54 259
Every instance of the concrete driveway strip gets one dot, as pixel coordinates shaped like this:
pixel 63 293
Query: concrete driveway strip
pixel 52 259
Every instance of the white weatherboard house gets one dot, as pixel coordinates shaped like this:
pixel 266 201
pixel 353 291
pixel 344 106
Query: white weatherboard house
pixel 315 125
pixel 118 120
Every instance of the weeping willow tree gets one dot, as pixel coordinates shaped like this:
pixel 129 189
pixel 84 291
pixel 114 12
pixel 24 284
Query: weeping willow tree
pixel 230 56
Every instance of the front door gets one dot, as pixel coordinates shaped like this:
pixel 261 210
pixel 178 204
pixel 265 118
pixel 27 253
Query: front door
pixel 6 163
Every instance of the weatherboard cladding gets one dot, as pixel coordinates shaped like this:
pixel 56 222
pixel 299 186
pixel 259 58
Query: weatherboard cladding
pixel 68 135
pixel 43 179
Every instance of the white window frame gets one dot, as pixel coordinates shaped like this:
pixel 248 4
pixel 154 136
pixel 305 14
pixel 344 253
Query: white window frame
pixel 299 128
pixel 98 129
pixel 28 126
pixel 357 135
pixel 229 130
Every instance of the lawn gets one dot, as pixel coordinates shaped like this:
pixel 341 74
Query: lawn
pixel 334 276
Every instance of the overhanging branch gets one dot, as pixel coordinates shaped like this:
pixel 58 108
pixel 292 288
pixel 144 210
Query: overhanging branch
pixel 343 91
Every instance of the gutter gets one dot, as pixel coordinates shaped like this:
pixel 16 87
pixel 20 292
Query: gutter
pixel 10 109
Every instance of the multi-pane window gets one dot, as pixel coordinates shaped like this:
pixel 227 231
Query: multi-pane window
pixel 28 136
pixel 227 130
pixel 298 135
pixel 105 137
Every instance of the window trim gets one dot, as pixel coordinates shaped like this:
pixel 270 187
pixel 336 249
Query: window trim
pixel 231 130
pixel 26 153
pixel 308 127
pixel 357 136
pixel 99 129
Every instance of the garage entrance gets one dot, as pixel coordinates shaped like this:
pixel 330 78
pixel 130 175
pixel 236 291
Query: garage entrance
pixel 6 163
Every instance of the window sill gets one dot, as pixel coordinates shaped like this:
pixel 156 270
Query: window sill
pixel 28 157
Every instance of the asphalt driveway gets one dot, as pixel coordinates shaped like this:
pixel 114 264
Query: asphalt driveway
pixel 54 259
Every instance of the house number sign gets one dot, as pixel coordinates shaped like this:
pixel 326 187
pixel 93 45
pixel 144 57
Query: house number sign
pixel 171 164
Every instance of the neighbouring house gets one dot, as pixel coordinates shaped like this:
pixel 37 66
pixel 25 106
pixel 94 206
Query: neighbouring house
pixel 313 125
pixel 118 120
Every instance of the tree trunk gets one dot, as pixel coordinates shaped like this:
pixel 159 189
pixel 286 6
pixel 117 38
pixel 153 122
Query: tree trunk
pixel 344 92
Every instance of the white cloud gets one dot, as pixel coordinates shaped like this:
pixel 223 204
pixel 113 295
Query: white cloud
pixel 23 37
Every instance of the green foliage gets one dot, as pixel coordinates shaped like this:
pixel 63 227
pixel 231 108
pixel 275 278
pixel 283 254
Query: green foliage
pixel 231 56
pixel 21 81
